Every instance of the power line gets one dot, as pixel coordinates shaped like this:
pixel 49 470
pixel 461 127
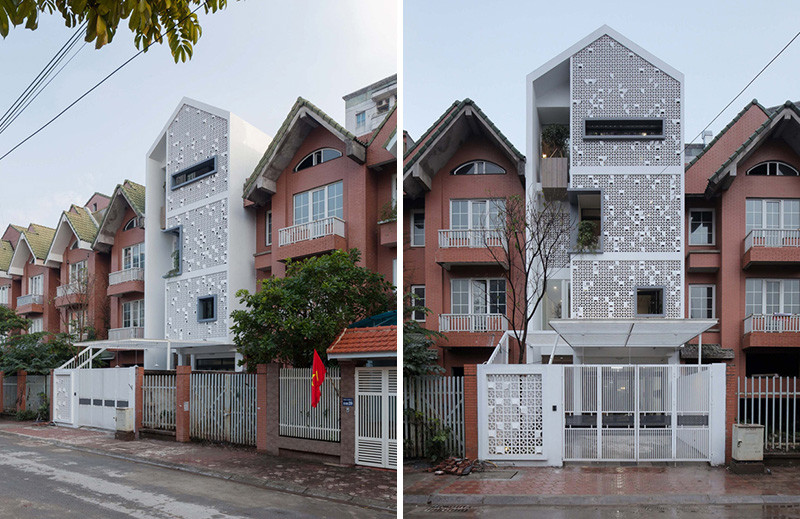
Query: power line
pixel 106 78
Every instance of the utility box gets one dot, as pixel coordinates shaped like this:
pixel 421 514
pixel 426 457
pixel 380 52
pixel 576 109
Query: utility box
pixel 125 424
pixel 748 442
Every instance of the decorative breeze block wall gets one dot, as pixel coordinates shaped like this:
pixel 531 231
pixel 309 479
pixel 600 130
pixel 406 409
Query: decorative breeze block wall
pixel 611 81
pixel 205 236
pixel 181 297
pixel 514 405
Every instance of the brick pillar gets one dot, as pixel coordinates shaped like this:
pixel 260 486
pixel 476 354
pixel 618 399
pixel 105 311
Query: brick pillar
pixel 22 380
pixel 731 405
pixel 138 392
pixel 261 407
pixel 183 381
pixel 273 403
pixel 471 410
pixel 347 438
pixel 52 394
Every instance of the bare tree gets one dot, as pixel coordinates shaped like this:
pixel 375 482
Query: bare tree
pixel 80 302
pixel 535 236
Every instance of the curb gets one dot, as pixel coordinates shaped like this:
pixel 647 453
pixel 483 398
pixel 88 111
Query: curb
pixel 598 500
pixel 289 488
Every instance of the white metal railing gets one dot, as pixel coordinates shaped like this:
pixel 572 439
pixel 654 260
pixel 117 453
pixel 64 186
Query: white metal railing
pixel 433 397
pixel 772 238
pixel 223 407
pixel 121 276
pixel 470 238
pixel 297 418
pixel 473 323
pixel 30 299
pixel 775 323
pixel 71 289
pixel 158 401
pixel 118 334
pixel 770 401
pixel 311 230
pixel 9 393
pixel 83 359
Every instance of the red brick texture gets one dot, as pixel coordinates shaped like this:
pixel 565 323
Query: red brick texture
pixel 771 340
pixel 771 256
pixel 731 404
pixel 22 380
pixel 183 382
pixel 471 410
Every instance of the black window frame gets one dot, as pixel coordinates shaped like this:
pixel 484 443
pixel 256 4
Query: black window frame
pixel 177 183
pixel 628 126
pixel 661 300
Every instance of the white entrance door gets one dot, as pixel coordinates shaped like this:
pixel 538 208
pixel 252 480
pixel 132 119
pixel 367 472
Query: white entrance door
pixel 376 417
pixel 64 397
pixel 97 394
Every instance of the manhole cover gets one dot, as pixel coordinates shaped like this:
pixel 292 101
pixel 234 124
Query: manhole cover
pixel 447 508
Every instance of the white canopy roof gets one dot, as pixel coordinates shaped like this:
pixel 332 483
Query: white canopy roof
pixel 144 344
pixel 630 333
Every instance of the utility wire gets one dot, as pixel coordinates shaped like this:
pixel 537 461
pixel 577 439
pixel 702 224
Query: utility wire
pixel 76 101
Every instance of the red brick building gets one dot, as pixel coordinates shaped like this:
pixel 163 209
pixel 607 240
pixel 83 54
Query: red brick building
pixel 743 242
pixel 455 179
pixel 37 282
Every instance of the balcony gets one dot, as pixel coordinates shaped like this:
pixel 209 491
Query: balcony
pixel 119 334
pixel 387 230
pixel 771 247
pixel 775 330
pixel 126 281
pixel 471 247
pixel 311 238
pixel 555 177
pixel 30 304
pixel 70 294
pixel 472 323
pixel 703 261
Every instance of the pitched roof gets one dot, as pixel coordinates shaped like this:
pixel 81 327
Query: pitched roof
pixel 18 227
pixel 135 194
pixel 430 130
pixel 82 222
pixel 6 252
pixel 378 339
pixel 273 145
pixel 39 238
pixel 380 126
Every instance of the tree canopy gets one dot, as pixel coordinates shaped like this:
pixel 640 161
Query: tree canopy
pixel 10 322
pixel 307 309
pixel 36 353
pixel 151 21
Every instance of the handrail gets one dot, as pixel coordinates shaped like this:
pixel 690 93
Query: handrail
pixel 772 238
pixel 310 230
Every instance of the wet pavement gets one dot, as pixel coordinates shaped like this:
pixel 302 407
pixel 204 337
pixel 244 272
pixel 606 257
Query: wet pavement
pixel 364 486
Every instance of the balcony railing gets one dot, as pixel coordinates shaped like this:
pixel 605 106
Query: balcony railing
pixel 470 238
pixel 118 334
pixel 473 323
pixel 774 323
pixel 311 230
pixel 122 276
pixel 77 287
pixel 772 238
pixel 30 299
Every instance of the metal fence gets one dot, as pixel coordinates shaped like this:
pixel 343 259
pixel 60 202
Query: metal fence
pixel 223 407
pixel 10 393
pixel 771 402
pixel 158 400
pixel 431 398
pixel 297 418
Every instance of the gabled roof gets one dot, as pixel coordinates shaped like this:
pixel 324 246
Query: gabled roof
pixel 82 222
pixel 78 222
pixel 38 238
pixel 377 341
pixel 6 252
pixel 417 176
pixel 382 145
pixel 722 178
pixel 303 117
pixel 128 194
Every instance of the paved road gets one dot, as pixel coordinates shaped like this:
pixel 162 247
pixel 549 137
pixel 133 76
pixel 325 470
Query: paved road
pixel 607 512
pixel 40 480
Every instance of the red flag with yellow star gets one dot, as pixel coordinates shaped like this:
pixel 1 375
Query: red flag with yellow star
pixel 317 378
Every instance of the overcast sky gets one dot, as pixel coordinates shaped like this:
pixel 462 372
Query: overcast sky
pixel 483 50
pixel 253 59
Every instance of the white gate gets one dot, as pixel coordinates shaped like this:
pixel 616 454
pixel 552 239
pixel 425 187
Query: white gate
pixel 376 417
pixel 89 397
pixel 644 413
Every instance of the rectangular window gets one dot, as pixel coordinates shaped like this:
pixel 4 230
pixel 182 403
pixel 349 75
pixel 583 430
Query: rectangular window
pixel 320 203
pixel 133 256
pixel 133 314
pixel 383 105
pixel 36 285
pixel 649 301
pixel 477 214
pixel 772 296
pixel 556 302
pixel 361 119
pixel 37 325
pixel 701 227
pixel 3 295
pixel 177 251
pixel 206 309
pixel 772 214
pixel 478 296
pixel 624 129
pixel 196 172
pixel 77 321
pixel 268 225
pixel 419 292
pixel 417 228
pixel 77 272
pixel 701 301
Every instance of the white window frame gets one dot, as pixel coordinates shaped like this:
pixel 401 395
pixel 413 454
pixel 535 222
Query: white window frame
pixel 135 311
pixel 713 225
pixel 268 228
pixel 134 251
pixel 471 203
pixel 713 300
pixel 363 116
pixel 412 235
pixel 316 160
pixel 471 303
pixel 764 203
pixel 417 315
pixel 36 285
pixel 782 303
pixel 37 325
pixel 776 163
pixel 310 203
pixel 74 320
pixel 566 303
pixel 4 295
pixel 78 271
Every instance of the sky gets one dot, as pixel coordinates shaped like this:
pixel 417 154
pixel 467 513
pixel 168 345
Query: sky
pixel 254 59
pixel 483 50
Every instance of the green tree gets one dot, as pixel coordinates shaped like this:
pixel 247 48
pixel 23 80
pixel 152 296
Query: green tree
pixel 10 322
pixel 419 355
pixel 36 353
pixel 307 309
pixel 150 20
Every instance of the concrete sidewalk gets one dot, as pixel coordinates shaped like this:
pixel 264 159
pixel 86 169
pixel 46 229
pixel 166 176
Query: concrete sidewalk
pixel 603 485
pixel 374 488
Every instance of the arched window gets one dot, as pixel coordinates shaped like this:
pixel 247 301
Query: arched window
pixel 132 224
pixel 318 157
pixel 773 168
pixel 479 167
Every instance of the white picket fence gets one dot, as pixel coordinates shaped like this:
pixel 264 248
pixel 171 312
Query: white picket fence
pixel 297 418
pixel 10 393
pixel 773 403
pixel 432 398
pixel 223 407
pixel 158 401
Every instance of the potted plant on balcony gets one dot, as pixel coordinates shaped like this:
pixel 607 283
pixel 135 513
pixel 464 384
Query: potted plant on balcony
pixel 387 218
pixel 587 236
